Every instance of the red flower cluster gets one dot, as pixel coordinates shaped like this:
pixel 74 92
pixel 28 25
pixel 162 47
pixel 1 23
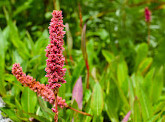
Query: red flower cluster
pixel 55 61
pixel 41 90
pixel 147 15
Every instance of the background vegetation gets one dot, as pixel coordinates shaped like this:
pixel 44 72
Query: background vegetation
pixel 125 72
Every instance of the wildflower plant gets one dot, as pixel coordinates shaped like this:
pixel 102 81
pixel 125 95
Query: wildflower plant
pixel 55 61
pixel 120 79
pixel 54 69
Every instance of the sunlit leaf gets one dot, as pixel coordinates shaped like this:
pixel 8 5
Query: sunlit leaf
pixel 28 100
pixel 97 100
pixel 2 62
pixel 122 72
pixel 142 51
pixel 157 85
pixel 108 56
pixel 145 65
pixel 137 117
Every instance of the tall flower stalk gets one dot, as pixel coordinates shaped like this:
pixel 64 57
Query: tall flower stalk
pixel 55 61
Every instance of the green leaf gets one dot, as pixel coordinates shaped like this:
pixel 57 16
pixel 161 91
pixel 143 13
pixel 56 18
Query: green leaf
pixel 22 7
pixel 108 56
pixel 9 100
pixel 69 38
pixel 146 105
pixel 39 118
pixel 57 5
pixel 159 107
pixel 46 111
pixel 121 93
pixel 28 100
pixel 97 119
pixel 11 114
pixel 29 41
pixel 15 39
pixel 137 117
pixel 18 104
pixel 41 43
pixel 148 80
pixel 122 72
pixel 88 110
pixel 145 65
pixel 62 91
pixel 111 110
pixel 75 115
pixel 77 71
pixel 87 95
pixel 157 85
pixel 131 93
pixel 2 63
pixel 97 100
pixel 142 51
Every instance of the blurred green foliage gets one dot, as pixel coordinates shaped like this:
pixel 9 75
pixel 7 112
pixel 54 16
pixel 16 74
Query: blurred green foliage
pixel 126 72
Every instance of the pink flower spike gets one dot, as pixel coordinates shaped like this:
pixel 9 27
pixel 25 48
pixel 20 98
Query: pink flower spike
pixel 147 15
pixel 54 50
pixel 41 90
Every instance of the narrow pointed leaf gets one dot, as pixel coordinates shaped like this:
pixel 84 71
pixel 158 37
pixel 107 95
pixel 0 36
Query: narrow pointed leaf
pixel 157 85
pixel 77 92
pixel 48 113
pixel 97 100
pixel 145 103
pixel 11 114
pixel 2 62
pixel 145 65
pixel 83 42
pixel 137 117
pixel 69 38
pixel 122 72
pixel 77 70
pixel 142 51
pixel 108 56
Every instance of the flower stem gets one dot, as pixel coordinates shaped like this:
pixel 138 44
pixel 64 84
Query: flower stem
pixel 55 105
pixel 81 112
pixel 148 40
